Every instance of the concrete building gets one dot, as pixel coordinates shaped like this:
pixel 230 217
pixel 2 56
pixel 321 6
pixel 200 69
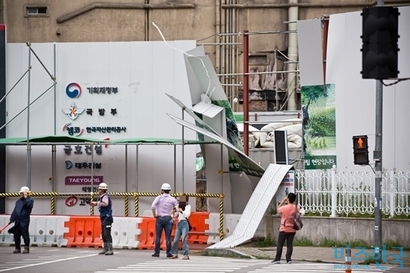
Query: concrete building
pixel 218 25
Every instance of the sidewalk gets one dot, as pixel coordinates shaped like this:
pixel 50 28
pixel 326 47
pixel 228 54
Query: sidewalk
pixel 312 254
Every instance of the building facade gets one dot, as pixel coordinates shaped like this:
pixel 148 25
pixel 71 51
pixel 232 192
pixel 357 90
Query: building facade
pixel 218 25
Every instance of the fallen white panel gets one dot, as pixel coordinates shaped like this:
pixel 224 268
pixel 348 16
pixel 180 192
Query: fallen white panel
pixel 256 207
pixel 193 115
pixel 248 165
pixel 208 109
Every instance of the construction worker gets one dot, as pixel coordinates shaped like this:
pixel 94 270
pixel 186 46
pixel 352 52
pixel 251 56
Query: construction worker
pixel 162 208
pixel 21 219
pixel 104 205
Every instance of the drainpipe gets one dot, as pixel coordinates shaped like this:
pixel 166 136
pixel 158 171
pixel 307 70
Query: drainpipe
pixel 218 50
pixel 245 92
pixel 325 25
pixel 292 54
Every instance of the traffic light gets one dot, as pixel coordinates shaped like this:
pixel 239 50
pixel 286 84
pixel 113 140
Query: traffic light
pixel 360 150
pixel 380 28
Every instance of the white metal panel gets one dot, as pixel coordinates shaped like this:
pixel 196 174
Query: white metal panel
pixel 256 207
pixel 143 72
pixel 207 109
pixel 310 52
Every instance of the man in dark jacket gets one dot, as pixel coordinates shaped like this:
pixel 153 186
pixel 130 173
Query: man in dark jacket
pixel 21 219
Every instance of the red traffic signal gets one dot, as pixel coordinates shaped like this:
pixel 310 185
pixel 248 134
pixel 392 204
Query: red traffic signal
pixel 360 150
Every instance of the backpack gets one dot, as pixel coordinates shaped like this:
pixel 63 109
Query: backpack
pixel 297 220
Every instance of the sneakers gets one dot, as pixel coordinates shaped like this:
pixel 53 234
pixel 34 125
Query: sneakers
pixel 169 255
pixel 174 257
pixel 289 262
pixel 185 258
pixel 275 262
pixel 17 250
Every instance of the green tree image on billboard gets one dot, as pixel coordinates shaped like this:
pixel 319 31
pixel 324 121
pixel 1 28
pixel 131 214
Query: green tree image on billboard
pixel 319 126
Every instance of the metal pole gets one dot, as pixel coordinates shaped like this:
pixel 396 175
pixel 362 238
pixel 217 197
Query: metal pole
pixel 245 92
pixel 378 166
pixel 55 90
pixel 334 191
pixel 136 167
pixel 222 168
pixel 175 168
pixel 53 147
pixel 28 181
pixel 92 167
pixel 126 168
pixel 377 155
pixel 183 153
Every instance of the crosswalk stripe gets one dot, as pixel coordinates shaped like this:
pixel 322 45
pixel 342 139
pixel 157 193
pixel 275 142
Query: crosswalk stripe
pixel 205 264
pixel 199 264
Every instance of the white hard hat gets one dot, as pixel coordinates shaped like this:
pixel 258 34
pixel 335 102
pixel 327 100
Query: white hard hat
pixel 24 189
pixel 102 186
pixel 166 187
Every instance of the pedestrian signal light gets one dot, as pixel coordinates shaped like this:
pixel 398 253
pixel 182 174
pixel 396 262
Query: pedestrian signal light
pixel 360 150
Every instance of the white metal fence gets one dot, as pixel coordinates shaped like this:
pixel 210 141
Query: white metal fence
pixel 332 192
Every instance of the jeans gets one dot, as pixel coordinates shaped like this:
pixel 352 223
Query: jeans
pixel 163 223
pixel 181 231
pixel 288 237
pixel 106 223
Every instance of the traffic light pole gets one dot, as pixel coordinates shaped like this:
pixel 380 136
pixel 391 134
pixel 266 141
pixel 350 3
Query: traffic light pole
pixel 377 155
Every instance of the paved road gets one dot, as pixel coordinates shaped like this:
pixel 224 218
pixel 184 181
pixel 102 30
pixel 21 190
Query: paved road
pixel 201 264
pixel 86 260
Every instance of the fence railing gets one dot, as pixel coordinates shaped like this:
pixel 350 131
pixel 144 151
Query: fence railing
pixel 332 192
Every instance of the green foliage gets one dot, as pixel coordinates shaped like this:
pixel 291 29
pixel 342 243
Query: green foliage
pixel 358 243
pixel 312 93
pixel 303 241
pixel 325 242
pixel 322 123
pixel 265 241
pixel 369 260
pixel 390 244
pixel 331 243
pixel 316 142
pixel 401 216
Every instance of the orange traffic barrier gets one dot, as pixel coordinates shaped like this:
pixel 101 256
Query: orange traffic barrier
pixel 83 231
pixel 147 237
pixel 199 226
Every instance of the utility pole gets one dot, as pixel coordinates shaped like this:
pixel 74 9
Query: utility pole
pixel 380 46
pixel 377 155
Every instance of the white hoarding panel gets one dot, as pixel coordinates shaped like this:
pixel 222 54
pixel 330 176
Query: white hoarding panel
pixel 113 90
pixel 310 52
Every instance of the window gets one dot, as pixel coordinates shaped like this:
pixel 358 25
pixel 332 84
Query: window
pixel 34 11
